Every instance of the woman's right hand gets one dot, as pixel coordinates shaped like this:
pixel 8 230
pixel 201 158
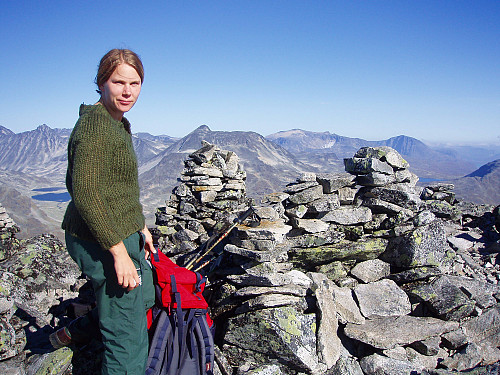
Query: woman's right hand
pixel 126 272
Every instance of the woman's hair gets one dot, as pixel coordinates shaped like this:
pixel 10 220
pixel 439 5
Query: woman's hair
pixel 112 59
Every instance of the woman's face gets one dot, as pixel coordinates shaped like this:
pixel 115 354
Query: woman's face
pixel 120 92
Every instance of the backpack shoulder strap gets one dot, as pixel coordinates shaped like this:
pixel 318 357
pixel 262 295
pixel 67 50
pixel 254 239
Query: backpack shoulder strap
pixel 159 347
pixel 206 343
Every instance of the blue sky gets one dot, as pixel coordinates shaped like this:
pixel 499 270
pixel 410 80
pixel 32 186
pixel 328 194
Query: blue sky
pixel 367 69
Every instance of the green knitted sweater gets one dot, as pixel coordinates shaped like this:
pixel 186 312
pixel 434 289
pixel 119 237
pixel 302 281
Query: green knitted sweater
pixel 102 179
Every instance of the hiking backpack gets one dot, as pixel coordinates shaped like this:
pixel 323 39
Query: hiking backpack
pixel 181 340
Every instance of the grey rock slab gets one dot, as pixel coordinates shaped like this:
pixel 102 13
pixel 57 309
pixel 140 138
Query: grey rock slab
pixel 454 339
pixel 267 213
pixel 310 225
pixel 332 182
pixel 346 366
pixel 298 187
pixel 405 176
pixel 260 256
pixel 203 171
pixel 347 215
pixel 424 246
pixel 235 186
pixel 266 230
pixel 323 205
pixel 385 153
pixel 328 343
pixel 212 181
pixel 263 274
pixel 296 211
pixel 371 270
pixel 361 166
pixel 442 209
pixel 291 289
pixel 375 179
pixel 6 305
pixel 307 195
pixel 229 194
pixel 474 210
pixel 415 274
pixel 315 239
pixel 484 328
pixel 334 271
pixel 382 298
pixel 395 196
pixel 440 186
pixel 346 307
pixel 299 278
pixel 204 154
pixel 460 243
pixel 480 291
pixel 273 198
pixel 376 364
pixel 391 331
pixel 445 298
pixel 58 362
pixel 268 274
pixel 282 332
pixel 306 177
pixel 201 188
pixel 12 367
pixel 267 301
pixel 182 190
pixel 380 206
pixel 363 249
pixel 466 359
pixel 7 340
pixel 347 195
pixel 260 245
pixel 423 218
pixel 184 235
pixel 429 346
pixel 207 196
pixel 396 353
pixel 261 370
pixel 426 361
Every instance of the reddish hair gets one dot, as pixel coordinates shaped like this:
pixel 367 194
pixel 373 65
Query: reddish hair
pixel 112 59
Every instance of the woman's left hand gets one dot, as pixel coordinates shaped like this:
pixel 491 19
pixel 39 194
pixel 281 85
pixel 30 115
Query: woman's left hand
pixel 148 242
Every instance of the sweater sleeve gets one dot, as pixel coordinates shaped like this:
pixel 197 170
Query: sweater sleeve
pixel 92 158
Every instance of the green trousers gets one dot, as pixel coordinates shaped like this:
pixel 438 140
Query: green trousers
pixel 121 314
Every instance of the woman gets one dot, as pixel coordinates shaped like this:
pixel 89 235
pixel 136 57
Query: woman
pixel 105 227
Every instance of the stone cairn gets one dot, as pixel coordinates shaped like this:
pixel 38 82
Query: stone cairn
pixel 212 185
pixel 360 272
pixel 8 229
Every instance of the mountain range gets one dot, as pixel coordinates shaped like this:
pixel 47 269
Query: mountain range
pixel 33 166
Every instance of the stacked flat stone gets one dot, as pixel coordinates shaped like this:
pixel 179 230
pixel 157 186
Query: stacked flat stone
pixel 6 221
pixel 439 191
pixel 211 185
pixel 343 234
pixel 379 166
pixel 8 229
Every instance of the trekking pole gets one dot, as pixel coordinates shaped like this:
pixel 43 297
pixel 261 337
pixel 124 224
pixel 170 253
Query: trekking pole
pixel 236 221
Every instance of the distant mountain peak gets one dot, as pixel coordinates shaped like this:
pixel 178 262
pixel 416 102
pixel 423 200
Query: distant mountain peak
pixel 43 128
pixel 202 128
pixel 4 131
pixel 486 169
pixel 296 133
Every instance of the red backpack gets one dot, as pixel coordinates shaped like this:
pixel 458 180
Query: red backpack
pixel 181 339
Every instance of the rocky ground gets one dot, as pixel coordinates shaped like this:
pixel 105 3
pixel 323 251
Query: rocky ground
pixel 359 272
